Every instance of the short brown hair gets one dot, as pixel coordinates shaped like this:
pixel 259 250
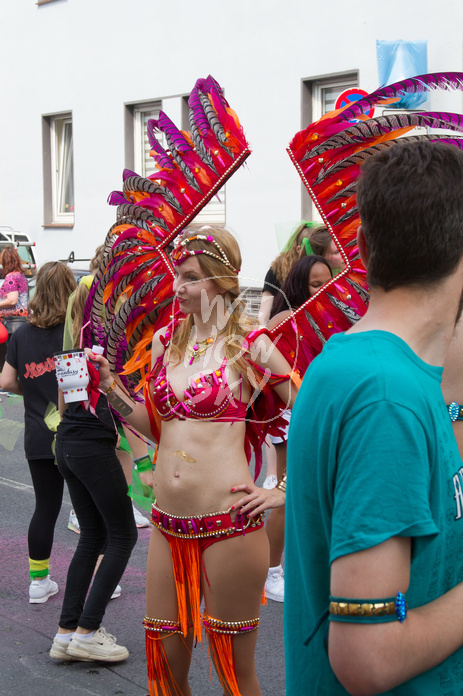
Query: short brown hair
pixel 55 283
pixel 410 200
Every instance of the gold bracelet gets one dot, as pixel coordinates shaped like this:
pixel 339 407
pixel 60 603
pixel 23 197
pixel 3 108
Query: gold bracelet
pixel 109 390
pixel 281 485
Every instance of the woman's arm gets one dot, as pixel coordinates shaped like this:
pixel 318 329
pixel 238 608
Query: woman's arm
pixel 61 403
pixel 265 354
pixel 278 318
pixel 266 304
pixel 135 413
pixel 10 299
pixel 9 379
pixel 376 657
pixel 139 448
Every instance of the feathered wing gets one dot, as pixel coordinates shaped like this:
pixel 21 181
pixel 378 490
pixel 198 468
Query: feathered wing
pixel 131 296
pixel 328 156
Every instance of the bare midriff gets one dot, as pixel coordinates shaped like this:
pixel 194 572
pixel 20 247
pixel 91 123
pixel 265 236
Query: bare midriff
pixel 186 487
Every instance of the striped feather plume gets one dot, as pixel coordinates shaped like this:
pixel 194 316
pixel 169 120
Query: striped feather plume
pixel 328 156
pixel 131 296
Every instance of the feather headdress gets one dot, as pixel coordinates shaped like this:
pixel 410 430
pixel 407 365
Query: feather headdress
pixel 328 156
pixel 132 295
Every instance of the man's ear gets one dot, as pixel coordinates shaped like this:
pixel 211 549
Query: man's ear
pixel 363 247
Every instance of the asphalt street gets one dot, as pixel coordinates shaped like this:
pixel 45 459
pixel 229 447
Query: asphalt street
pixel 27 629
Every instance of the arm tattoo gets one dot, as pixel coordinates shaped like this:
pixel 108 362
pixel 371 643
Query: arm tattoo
pixel 119 405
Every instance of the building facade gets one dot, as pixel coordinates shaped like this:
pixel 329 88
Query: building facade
pixel 80 78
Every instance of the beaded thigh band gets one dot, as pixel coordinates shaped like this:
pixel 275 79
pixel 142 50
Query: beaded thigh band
pixel 214 524
pixel 221 634
pixel 161 625
pixel 229 627
pixel 220 637
pixel 211 625
pixel 160 678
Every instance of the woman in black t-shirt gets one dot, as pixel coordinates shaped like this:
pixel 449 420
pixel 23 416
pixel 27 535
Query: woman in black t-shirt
pixel 29 370
pixel 86 454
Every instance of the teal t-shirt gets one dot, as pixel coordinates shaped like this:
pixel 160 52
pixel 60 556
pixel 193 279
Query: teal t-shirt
pixel 371 455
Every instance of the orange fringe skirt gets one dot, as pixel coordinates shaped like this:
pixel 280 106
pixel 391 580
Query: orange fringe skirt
pixel 188 538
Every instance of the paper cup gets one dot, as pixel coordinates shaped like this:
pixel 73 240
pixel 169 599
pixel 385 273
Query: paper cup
pixel 72 374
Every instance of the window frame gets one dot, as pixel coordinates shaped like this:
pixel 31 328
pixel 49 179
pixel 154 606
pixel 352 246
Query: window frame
pixel 214 213
pixel 56 159
pixel 311 110
pixel 140 137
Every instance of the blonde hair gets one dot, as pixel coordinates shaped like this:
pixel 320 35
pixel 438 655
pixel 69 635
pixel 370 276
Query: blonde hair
pixel 77 311
pixel 95 263
pixel 283 263
pixel 239 323
pixel 55 283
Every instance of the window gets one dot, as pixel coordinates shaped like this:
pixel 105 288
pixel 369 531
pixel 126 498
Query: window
pixel 137 147
pixel 58 170
pixel 325 90
pixel 143 163
pixel 319 96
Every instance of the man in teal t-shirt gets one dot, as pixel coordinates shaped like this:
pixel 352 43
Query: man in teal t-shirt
pixel 372 461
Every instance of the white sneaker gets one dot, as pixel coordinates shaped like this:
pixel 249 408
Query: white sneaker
pixel 270 482
pixel 59 650
pixel 140 520
pixel 117 592
pixel 275 584
pixel 41 590
pixel 73 523
pixel 101 648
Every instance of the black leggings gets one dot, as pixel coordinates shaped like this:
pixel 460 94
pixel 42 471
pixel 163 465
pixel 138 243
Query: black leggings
pixel 98 491
pixel 48 487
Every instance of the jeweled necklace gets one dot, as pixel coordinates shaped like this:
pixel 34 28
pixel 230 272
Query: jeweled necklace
pixel 197 348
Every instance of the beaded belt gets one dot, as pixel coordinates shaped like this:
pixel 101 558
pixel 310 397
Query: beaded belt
pixel 214 524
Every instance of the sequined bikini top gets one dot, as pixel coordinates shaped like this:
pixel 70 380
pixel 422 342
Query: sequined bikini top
pixel 208 397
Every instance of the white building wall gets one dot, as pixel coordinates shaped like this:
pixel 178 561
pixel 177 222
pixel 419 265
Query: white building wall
pixel 93 56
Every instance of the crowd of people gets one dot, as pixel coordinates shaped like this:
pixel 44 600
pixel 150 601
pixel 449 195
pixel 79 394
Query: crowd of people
pixel 366 490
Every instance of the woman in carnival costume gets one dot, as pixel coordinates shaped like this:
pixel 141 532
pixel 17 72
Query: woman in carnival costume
pixel 213 387
pixel 205 370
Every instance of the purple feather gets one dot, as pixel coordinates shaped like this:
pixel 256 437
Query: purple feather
pixel 161 156
pixel 170 129
pixel 210 84
pixel 449 120
pixel 375 127
pixel 200 119
pixel 127 173
pixel 117 198
pixel 418 84
pixel 358 158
